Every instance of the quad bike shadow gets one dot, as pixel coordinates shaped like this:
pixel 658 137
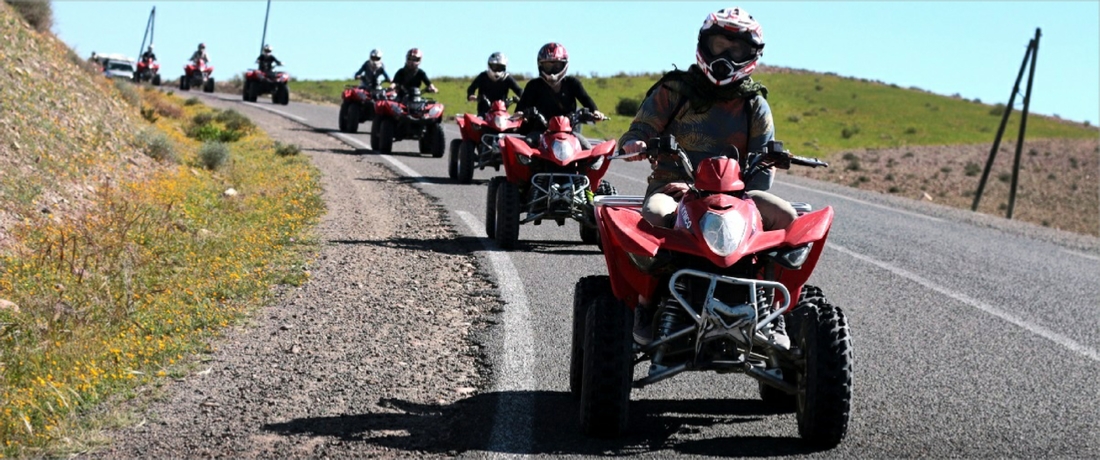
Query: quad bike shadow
pixel 468 424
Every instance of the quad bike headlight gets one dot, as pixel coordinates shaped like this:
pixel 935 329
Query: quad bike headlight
pixel 435 111
pixel 723 233
pixel 500 122
pixel 563 150
pixel 523 159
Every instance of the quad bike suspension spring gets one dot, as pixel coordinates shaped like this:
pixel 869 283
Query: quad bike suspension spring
pixel 671 316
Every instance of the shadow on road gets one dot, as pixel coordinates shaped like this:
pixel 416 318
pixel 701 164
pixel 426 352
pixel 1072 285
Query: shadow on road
pixel 467 425
pixel 464 244
pixel 421 179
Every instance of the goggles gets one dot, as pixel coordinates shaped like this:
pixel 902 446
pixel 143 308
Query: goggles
pixel 551 67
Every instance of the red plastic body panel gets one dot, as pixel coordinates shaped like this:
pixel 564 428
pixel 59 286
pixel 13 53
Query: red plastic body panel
pixel 721 175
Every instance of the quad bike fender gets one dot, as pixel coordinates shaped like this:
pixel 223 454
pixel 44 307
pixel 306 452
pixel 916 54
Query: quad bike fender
pixel 623 232
pixel 603 149
pixel 808 228
pixel 386 108
pixel 470 127
pixel 514 148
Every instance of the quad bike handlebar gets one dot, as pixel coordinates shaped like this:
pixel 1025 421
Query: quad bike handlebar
pixel 773 155
pixel 581 115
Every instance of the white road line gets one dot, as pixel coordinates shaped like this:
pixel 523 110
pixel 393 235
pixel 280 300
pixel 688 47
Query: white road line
pixel 393 161
pixel 280 112
pixel 1081 254
pixel 865 203
pixel 513 424
pixel 1030 327
pixel 629 178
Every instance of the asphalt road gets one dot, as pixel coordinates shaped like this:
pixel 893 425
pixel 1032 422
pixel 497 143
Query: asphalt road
pixel 973 337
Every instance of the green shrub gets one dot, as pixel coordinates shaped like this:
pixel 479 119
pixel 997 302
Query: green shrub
pixel 156 145
pixel 129 94
pixel 794 118
pixel 37 13
pixel 149 114
pixel 1004 177
pixel 849 131
pixel 212 133
pixel 192 101
pixel 202 118
pixel 213 154
pixel 286 150
pixel 910 130
pixel 235 121
pixel 946 170
pixel 627 107
pixel 998 110
pixel 971 169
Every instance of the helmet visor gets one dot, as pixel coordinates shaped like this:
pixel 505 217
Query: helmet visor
pixel 413 59
pixel 376 58
pixel 496 67
pixel 551 67
pixel 733 49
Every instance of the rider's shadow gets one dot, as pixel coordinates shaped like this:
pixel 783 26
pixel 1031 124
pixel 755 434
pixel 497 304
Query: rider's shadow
pixel 468 424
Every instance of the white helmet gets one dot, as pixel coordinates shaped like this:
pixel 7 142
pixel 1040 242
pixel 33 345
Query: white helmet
pixel 267 49
pixel 730 42
pixel 150 47
pixel 498 66
pixel 375 54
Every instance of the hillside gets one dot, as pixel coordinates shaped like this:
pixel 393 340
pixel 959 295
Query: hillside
pixel 134 226
pixel 816 114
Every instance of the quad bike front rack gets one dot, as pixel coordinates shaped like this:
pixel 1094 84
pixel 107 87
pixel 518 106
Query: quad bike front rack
pixel 572 192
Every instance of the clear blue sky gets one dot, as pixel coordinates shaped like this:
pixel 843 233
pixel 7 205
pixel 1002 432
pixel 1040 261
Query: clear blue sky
pixel 971 48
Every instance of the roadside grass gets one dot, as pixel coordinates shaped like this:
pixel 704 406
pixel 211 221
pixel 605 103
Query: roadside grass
pixel 815 114
pixel 114 297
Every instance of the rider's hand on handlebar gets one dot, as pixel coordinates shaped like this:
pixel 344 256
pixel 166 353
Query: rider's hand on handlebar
pixel 471 98
pixel 599 115
pixel 432 89
pixel 634 147
pixel 675 189
pixel 516 116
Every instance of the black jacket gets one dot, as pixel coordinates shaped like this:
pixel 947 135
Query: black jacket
pixel 406 79
pixel 549 103
pixel 266 60
pixel 493 90
pixel 370 76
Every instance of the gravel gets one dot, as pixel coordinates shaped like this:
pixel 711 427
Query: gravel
pixel 372 357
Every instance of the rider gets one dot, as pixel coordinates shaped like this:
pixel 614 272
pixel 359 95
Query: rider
pixel 712 106
pixel 555 94
pixel 372 69
pixel 148 54
pixel 266 60
pixel 199 56
pixel 411 75
pixel 492 84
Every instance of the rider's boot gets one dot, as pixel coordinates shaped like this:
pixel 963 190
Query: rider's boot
pixel 643 325
pixel 779 333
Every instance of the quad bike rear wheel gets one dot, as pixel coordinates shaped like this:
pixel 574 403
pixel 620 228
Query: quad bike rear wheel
pixel 584 294
pixel 608 367
pixel 385 136
pixel 184 84
pixel 507 215
pixel 824 399
pixel 452 158
pixel 156 80
pixel 491 206
pixel 467 156
pixel 351 121
pixel 438 142
pixel 251 91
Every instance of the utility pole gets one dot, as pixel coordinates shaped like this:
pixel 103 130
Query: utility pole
pixel 1030 54
pixel 149 28
pixel 263 39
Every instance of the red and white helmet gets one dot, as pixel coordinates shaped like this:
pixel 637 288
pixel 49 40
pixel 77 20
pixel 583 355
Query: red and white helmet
pixel 553 62
pixel 730 42
pixel 414 55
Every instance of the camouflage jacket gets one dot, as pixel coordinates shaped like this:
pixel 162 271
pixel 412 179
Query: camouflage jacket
pixel 702 133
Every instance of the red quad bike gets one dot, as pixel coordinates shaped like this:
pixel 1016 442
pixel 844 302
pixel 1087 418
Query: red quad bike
pixel 358 106
pixel 410 118
pixel 479 146
pixel 259 82
pixel 718 284
pixel 555 181
pixel 197 74
pixel 147 70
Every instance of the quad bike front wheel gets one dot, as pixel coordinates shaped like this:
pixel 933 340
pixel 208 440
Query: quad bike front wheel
pixel 452 158
pixel 375 138
pixel 491 206
pixel 591 235
pixel 825 379
pixel 507 215
pixel 438 142
pixel 467 156
pixel 208 87
pixel 351 121
pixel 184 84
pixel 341 119
pixel 584 294
pixel 385 136
pixel 156 80
pixel 281 95
pixel 608 367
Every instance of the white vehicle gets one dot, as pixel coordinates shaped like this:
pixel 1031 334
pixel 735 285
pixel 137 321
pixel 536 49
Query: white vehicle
pixel 118 66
